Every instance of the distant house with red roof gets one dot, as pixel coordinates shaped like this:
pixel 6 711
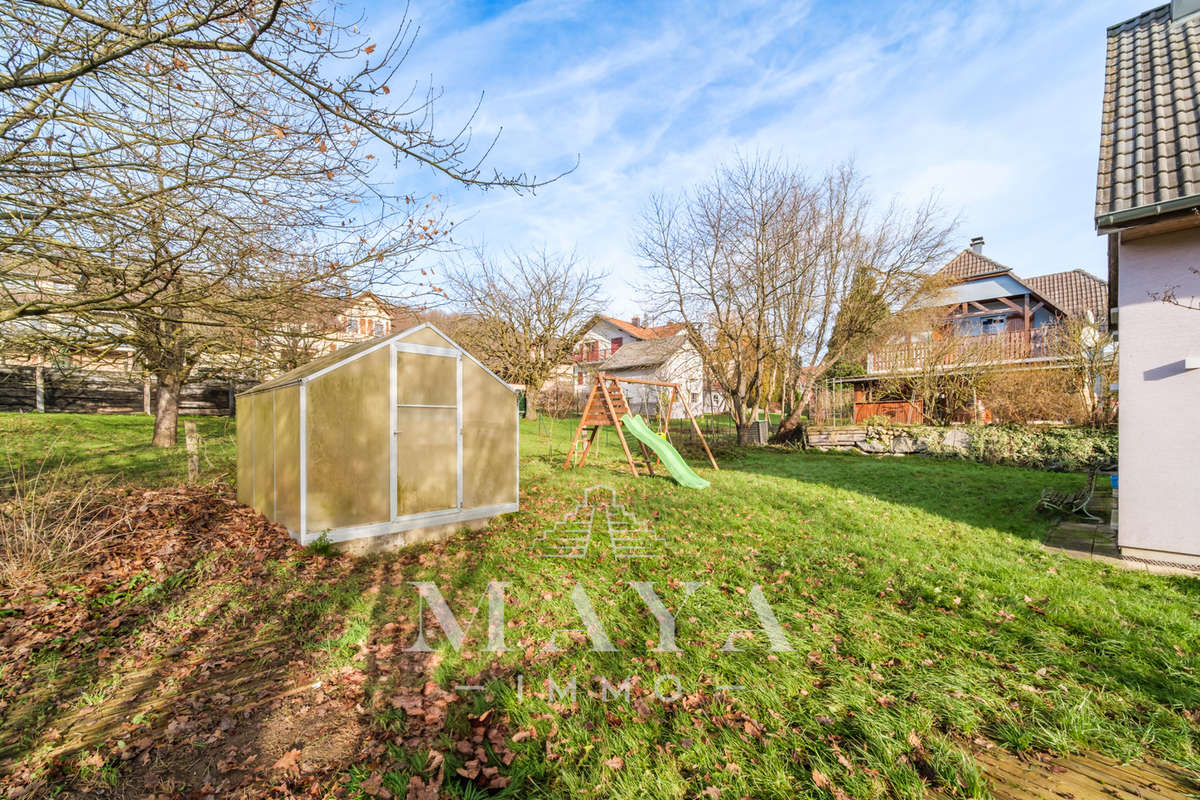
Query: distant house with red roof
pixel 986 304
pixel 607 335
pixel 656 352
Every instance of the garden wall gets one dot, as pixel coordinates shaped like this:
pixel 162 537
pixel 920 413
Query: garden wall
pixel 77 391
pixel 1052 448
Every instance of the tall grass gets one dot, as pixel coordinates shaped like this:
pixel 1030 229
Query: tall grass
pixel 50 526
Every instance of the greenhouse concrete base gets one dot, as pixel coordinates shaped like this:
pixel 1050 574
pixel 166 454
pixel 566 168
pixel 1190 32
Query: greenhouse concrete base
pixel 393 535
pixel 395 541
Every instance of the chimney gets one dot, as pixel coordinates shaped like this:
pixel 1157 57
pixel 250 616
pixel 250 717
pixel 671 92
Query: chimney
pixel 977 244
pixel 637 322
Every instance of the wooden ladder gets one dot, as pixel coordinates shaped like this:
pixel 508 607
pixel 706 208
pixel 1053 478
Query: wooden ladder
pixel 606 404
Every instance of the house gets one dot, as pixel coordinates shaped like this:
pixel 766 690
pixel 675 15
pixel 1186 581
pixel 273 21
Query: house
pixel 671 359
pixel 990 313
pixel 660 352
pixel 1148 205
pixel 364 316
pixel 48 365
pixel 606 336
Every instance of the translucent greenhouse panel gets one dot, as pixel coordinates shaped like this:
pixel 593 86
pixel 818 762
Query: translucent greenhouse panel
pixel 287 457
pixel 262 419
pixel 426 380
pixel 429 337
pixel 348 431
pixel 245 450
pixel 489 439
pixel 427 459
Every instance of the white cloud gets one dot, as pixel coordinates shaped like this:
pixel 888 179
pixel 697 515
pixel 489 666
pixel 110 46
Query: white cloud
pixel 993 104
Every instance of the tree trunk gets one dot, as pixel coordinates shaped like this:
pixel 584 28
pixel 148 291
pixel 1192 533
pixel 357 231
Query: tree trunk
pixel 792 420
pixel 530 405
pixel 166 413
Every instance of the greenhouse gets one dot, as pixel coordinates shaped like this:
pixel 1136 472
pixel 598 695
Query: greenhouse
pixel 390 441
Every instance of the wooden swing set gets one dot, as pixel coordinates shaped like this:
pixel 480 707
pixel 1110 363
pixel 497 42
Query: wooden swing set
pixel 605 406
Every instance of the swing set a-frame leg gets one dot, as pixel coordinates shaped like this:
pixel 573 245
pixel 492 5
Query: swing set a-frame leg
pixel 617 423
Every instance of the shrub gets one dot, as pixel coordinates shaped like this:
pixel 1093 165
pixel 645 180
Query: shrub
pixel 1065 449
pixel 1040 394
pixel 557 401
pixel 48 529
pixel 322 545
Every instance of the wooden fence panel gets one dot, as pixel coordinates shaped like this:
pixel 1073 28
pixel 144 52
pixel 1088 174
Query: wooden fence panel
pixel 76 391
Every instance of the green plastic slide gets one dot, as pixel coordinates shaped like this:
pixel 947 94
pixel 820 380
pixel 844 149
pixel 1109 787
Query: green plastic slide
pixel 670 457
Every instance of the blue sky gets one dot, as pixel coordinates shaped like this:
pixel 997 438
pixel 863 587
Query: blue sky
pixel 994 105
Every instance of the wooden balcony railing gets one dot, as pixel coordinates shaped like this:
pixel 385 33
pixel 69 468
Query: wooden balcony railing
pixel 1008 347
pixel 591 355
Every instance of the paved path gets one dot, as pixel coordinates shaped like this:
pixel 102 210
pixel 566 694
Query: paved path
pixel 1083 777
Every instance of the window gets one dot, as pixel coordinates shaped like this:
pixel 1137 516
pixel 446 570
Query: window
pixel 991 325
pixel 378 329
pixel 351 325
pixel 616 343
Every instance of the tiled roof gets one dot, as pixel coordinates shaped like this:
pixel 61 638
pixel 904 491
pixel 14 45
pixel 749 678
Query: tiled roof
pixel 1149 140
pixel 1073 292
pixel 969 264
pixel 670 329
pixel 646 353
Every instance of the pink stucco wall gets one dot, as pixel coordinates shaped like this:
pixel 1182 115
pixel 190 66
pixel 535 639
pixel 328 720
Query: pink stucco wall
pixel 1160 400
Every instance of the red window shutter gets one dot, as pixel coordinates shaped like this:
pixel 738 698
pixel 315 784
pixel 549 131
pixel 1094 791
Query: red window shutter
pixel 616 343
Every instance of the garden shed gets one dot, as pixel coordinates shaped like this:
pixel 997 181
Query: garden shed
pixel 386 442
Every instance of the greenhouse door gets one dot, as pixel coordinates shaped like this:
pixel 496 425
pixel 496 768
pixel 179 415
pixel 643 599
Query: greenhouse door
pixel 426 457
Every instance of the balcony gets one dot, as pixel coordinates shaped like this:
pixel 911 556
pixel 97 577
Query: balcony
pixel 1038 344
pixel 591 354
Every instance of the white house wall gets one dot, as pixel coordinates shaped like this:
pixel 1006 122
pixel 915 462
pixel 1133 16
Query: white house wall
pixel 685 368
pixel 1160 398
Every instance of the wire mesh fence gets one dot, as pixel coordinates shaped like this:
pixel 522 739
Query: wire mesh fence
pixel 832 404
pixel 554 436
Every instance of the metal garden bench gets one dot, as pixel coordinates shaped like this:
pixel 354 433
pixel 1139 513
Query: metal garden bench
pixel 1071 502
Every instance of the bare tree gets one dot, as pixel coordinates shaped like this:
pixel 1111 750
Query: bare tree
pixel 861 264
pixel 716 258
pixel 1090 352
pixel 524 315
pixel 188 177
pixel 767 265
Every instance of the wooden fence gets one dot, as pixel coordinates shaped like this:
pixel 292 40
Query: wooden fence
pixel 84 392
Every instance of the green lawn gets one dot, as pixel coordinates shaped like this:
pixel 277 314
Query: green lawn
pixel 921 612
pixel 112 447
